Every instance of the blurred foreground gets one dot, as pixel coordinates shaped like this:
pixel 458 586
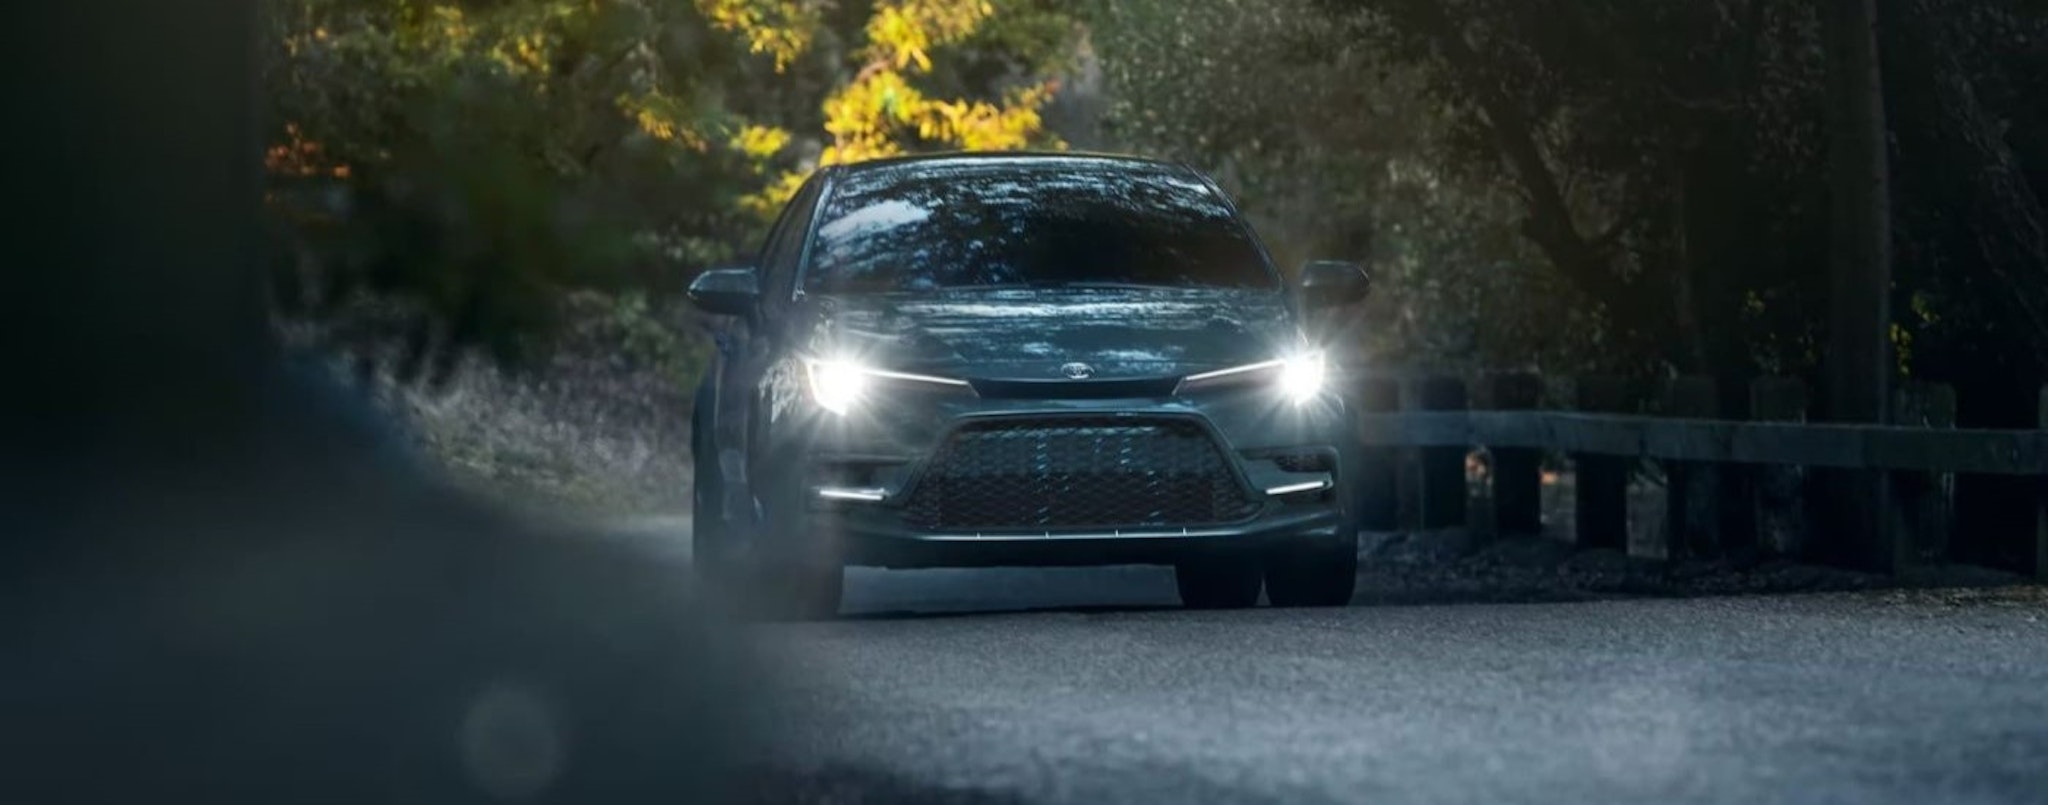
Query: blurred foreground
pixel 225 579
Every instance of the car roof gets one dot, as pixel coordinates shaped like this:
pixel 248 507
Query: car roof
pixel 1018 159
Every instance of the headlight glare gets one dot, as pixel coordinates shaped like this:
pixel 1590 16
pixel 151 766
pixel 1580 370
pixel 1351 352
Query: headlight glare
pixel 838 385
pixel 1302 376
pixel 1299 377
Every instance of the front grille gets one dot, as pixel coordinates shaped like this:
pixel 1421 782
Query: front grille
pixel 1077 472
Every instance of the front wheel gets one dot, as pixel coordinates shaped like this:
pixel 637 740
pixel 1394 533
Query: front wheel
pixel 796 570
pixel 710 544
pixel 1320 573
pixel 1218 582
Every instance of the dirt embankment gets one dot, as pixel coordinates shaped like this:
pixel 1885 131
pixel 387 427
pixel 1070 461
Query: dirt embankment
pixel 599 422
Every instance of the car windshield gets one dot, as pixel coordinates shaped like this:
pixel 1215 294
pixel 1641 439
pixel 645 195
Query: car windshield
pixel 1002 225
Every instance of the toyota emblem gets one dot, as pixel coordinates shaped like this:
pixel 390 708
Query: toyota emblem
pixel 1077 371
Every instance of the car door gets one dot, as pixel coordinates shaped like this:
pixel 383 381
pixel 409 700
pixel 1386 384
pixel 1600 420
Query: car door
pixel 750 345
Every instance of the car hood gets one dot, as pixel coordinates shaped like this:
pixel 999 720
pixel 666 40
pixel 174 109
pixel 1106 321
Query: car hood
pixel 1032 334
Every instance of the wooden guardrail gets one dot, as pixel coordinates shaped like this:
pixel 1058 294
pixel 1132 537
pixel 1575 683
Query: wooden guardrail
pixel 1871 447
pixel 1728 483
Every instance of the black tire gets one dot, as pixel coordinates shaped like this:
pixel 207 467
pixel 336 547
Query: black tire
pixel 710 546
pixel 1322 573
pixel 796 568
pixel 708 543
pixel 1219 582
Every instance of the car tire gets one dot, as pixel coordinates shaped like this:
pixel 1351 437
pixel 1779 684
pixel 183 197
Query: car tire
pixel 798 572
pixel 1322 573
pixel 1219 582
pixel 710 546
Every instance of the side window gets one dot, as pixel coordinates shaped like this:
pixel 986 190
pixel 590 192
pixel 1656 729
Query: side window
pixel 785 244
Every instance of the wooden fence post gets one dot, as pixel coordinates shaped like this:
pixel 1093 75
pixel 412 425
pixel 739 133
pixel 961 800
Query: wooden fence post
pixel 1996 514
pixel 1692 522
pixel 1517 472
pixel 2041 505
pixel 1378 499
pixel 1922 500
pixel 1779 493
pixel 1444 492
pixel 1601 495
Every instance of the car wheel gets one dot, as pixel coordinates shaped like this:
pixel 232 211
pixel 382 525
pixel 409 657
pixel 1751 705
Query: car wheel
pixel 1218 582
pixel 1322 573
pixel 797 569
pixel 708 543
pixel 710 546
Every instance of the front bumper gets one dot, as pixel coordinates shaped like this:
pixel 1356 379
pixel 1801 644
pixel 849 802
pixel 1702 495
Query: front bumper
pixel 1281 467
pixel 876 541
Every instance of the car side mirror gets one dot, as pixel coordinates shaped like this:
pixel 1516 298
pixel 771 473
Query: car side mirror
pixel 1333 283
pixel 726 291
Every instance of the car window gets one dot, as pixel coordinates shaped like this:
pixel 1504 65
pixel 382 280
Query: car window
pixel 785 241
pixel 1002 225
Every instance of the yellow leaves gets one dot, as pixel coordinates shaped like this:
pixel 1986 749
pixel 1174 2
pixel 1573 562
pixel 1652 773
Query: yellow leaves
pixel 899 38
pixel 766 203
pixel 664 118
pixel 879 113
pixel 780 28
pixel 450 24
pixel 902 33
pixel 759 142
pixel 524 53
pixel 867 117
pixel 988 127
pixel 871 104
pixel 873 116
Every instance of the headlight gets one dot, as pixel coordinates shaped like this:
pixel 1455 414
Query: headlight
pixel 1299 378
pixel 837 386
pixel 840 385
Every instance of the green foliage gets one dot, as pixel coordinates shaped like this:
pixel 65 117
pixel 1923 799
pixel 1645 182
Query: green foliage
pixel 1673 171
pixel 1338 152
pixel 480 159
pixel 1564 185
pixel 1592 184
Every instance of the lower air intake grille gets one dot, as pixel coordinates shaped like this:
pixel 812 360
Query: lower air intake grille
pixel 1077 472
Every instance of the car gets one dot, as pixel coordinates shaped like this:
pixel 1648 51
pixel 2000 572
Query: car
pixel 1038 359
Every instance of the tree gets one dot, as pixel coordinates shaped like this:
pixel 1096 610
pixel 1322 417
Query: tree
pixel 1335 151
pixel 474 160
pixel 881 110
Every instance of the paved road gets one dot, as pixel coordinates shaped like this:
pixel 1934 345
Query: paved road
pixel 1086 687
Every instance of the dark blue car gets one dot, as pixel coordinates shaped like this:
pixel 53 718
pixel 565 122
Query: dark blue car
pixel 1037 359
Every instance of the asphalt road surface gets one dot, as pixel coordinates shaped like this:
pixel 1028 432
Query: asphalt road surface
pixel 1089 687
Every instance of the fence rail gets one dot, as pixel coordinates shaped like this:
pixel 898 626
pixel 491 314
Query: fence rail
pixel 1727 481
pixel 1873 447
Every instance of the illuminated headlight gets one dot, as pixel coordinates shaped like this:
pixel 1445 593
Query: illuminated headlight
pixel 1299 378
pixel 841 385
pixel 838 386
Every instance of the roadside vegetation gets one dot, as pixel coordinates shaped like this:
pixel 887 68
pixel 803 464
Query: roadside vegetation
pixel 493 205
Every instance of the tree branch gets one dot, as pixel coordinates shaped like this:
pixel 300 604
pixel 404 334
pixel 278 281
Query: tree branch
pixel 1550 223
pixel 2003 213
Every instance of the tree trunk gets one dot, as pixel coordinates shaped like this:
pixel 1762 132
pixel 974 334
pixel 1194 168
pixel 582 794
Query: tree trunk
pixel 1860 364
pixel 1859 361
pixel 1584 262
